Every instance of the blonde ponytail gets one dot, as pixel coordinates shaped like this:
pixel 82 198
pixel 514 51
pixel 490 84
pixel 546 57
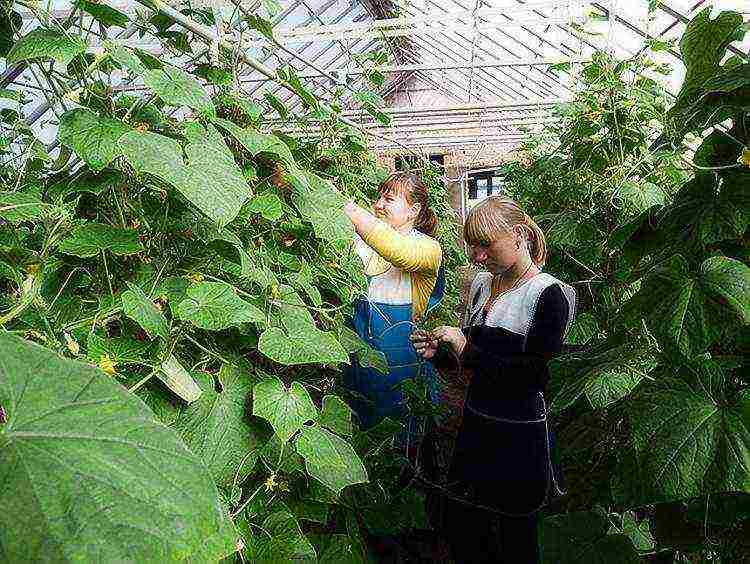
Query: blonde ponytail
pixel 537 241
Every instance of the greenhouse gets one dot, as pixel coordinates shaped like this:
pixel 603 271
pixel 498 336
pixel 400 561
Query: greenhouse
pixel 355 281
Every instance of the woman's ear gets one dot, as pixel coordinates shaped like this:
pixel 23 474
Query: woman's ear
pixel 416 208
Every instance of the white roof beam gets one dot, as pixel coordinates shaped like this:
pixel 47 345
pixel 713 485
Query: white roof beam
pixel 524 79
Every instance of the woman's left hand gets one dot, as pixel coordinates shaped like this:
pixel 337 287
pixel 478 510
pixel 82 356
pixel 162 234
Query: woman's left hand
pixel 452 336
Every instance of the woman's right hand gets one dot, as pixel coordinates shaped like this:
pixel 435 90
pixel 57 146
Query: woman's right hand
pixel 424 343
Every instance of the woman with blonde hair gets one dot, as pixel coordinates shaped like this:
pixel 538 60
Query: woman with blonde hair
pixel 501 472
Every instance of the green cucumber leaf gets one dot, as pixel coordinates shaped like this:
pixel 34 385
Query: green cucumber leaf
pixel 105 15
pixel 319 203
pixel 330 459
pixel 367 356
pixel 93 138
pixel 301 345
pixel 121 350
pixel 217 427
pixel 138 307
pixel 681 307
pixel 178 88
pixel 258 143
pixel 285 409
pixel 90 239
pixel 215 306
pixel 282 541
pixel 16 207
pixel 268 205
pixel 336 415
pixel 126 484
pixel 211 180
pixel 708 210
pixel 124 57
pixel 46 44
pixel 691 434
pixel 583 536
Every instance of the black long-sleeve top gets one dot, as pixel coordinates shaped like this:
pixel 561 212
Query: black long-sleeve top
pixel 502 453
pixel 507 350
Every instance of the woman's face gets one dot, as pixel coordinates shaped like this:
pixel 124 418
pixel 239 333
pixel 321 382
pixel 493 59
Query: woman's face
pixel 500 254
pixel 393 208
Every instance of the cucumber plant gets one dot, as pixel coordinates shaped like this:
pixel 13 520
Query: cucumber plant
pixel 175 284
pixel 645 200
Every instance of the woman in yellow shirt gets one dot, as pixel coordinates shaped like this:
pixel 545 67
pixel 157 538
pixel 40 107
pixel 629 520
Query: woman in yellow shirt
pixel 405 280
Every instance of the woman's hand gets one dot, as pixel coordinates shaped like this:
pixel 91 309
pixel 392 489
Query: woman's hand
pixel 452 336
pixel 424 343
pixel 362 219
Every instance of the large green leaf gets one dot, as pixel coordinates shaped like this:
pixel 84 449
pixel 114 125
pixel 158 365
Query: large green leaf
pixel 704 44
pixel 582 537
pixel 604 378
pixel 46 44
pixel 286 410
pixel 92 137
pixel 319 203
pixel 703 47
pixel 211 180
pixel 562 228
pixel 152 153
pixel 709 209
pixel 92 238
pixel 294 338
pixel 216 306
pixel 303 280
pixel 89 182
pixel 281 541
pixel 367 356
pixel 584 328
pixel 268 205
pixel 258 143
pixel 10 23
pixel 217 429
pixel 178 88
pixel 691 435
pixel 639 197
pixel 120 350
pixel 16 207
pixel 336 416
pixel 105 15
pixel 682 307
pixel 330 459
pixel 138 307
pixel 124 57
pixel 301 345
pixel 88 475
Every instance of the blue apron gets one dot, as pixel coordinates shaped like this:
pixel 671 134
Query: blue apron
pixel 387 328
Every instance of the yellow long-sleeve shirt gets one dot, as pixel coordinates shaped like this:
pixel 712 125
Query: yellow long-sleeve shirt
pixel 414 253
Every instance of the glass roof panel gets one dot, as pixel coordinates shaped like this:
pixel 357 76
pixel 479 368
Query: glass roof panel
pixel 480 65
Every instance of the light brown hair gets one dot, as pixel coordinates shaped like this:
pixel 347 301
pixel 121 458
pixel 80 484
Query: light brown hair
pixel 495 214
pixel 415 191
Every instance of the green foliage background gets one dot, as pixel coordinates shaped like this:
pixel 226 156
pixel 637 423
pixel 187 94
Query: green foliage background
pixel 206 269
pixel 651 405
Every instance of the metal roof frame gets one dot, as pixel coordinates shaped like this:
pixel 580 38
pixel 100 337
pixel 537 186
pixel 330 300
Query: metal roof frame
pixel 490 60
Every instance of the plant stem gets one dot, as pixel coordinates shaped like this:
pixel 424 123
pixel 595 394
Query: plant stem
pixel 142 381
pixel 106 271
